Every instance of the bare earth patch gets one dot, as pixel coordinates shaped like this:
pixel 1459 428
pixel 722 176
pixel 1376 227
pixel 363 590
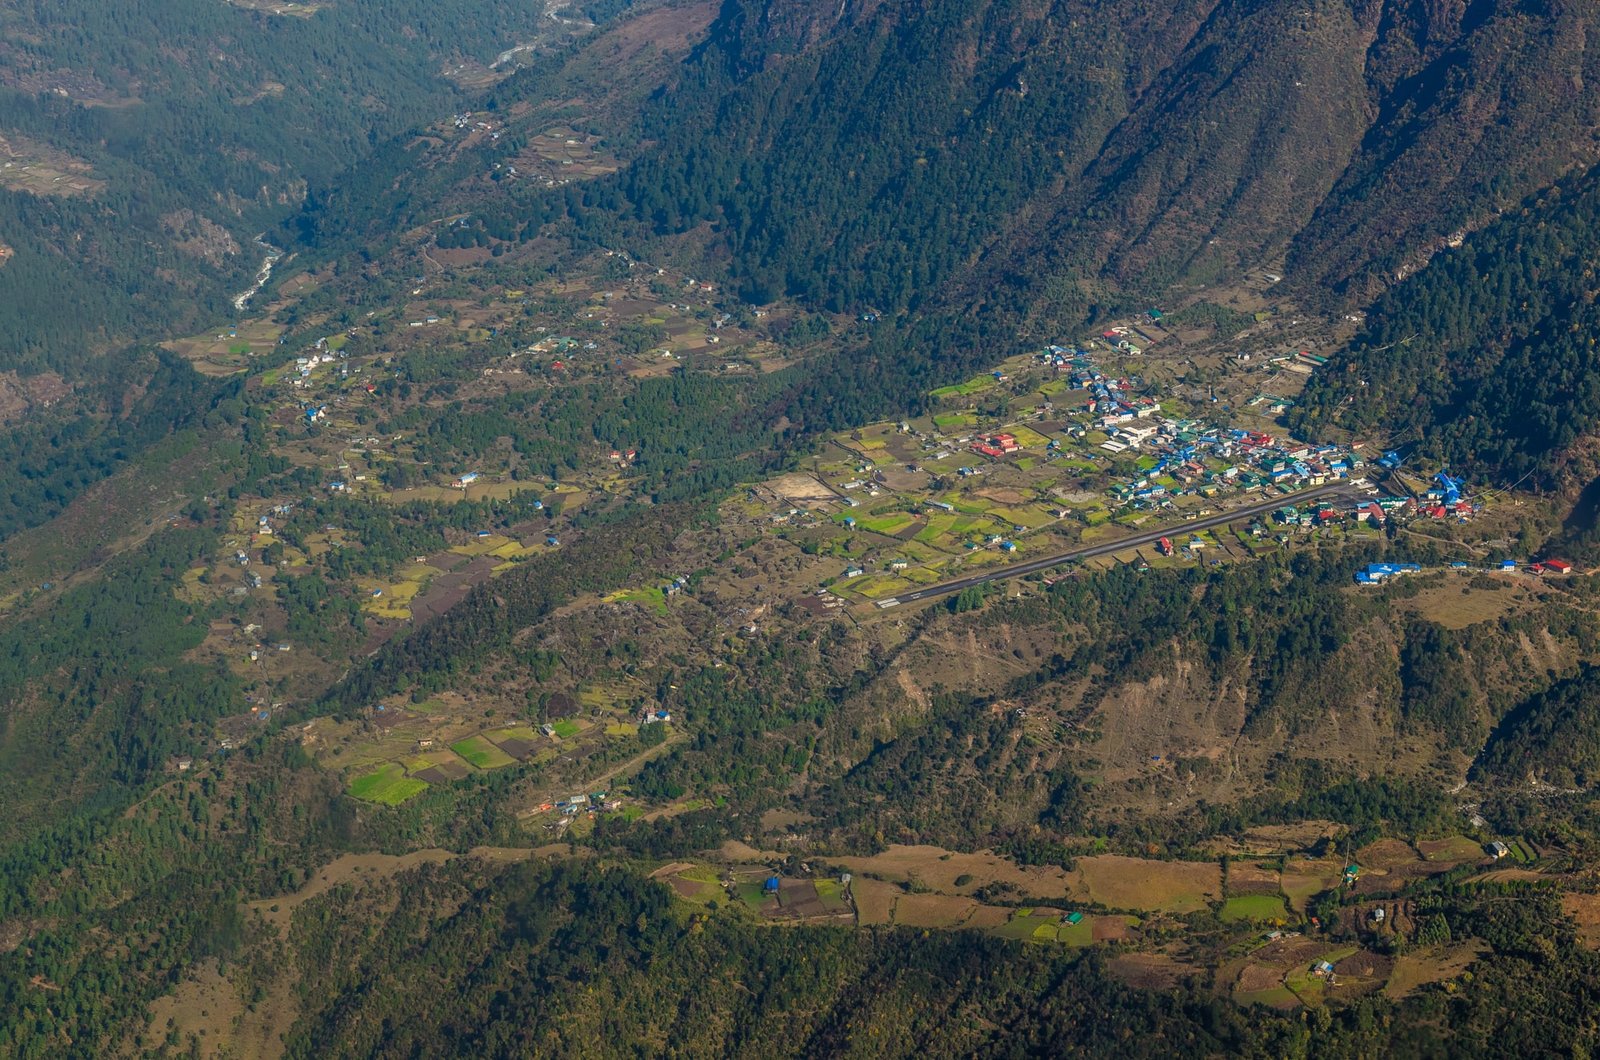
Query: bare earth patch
pixel 1134 883
pixel 937 868
pixel 1584 909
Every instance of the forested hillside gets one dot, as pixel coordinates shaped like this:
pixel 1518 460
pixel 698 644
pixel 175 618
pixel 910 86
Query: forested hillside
pixel 1485 356
pixel 201 123
pixel 792 528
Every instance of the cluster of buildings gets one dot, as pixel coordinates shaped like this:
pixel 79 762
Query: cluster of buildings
pixel 1378 573
pixel 305 365
pixel 996 445
pixel 1111 399
pixel 1189 456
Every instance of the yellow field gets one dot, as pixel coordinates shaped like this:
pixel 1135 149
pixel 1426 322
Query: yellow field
pixel 395 603
pixel 878 588
pixel 1029 438
pixel 484 546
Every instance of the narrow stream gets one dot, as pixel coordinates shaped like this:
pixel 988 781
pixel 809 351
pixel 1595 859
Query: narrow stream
pixel 263 274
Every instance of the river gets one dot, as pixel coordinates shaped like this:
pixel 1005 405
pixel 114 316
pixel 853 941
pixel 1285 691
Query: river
pixel 263 274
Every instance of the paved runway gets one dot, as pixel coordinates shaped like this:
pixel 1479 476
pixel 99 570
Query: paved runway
pixel 1144 537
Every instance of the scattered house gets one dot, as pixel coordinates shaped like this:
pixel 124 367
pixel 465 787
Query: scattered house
pixel 1557 566
pixel 853 572
pixel 772 885
pixel 1165 546
pixel 185 764
pixel 465 480
pixel 1508 565
pixel 1322 970
pixel 425 743
pixel 1498 850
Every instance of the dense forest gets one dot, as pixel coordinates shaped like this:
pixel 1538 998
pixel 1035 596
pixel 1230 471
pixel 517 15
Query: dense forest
pixel 581 960
pixel 1484 357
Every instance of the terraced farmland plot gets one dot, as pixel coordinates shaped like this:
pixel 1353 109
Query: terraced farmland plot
pixel 938 531
pixel 387 785
pixel 1133 883
pixel 1263 907
pixel 1028 438
pixel 1031 518
pixel 481 753
pixel 439 767
pixel 879 588
pixel 1454 848
pixel 484 546
pixel 518 741
pixel 889 525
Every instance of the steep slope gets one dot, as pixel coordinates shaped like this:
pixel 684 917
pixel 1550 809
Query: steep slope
pixel 1550 737
pixel 1485 356
pixel 998 153
pixel 1475 105
pixel 184 127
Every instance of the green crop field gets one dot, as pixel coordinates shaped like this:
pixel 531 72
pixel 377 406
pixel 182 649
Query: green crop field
pixel 387 785
pixel 1032 518
pixel 1079 934
pixel 938 526
pixel 566 728
pixel 653 598
pixel 752 895
pixel 830 894
pixel 890 524
pixel 966 507
pixel 1029 925
pixel 481 753
pixel 1254 907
